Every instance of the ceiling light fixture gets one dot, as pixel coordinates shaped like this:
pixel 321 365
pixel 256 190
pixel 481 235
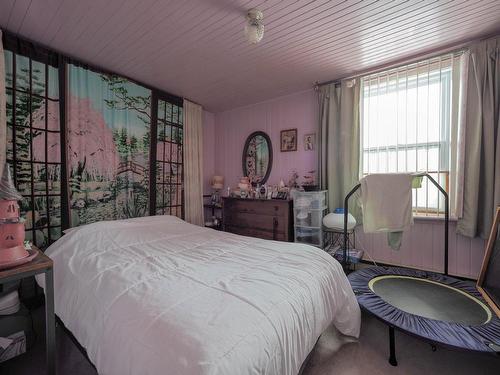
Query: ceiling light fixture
pixel 254 29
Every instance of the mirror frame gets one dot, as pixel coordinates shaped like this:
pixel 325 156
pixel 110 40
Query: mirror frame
pixel 245 147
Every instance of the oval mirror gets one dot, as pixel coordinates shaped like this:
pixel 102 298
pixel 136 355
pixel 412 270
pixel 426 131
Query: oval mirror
pixel 257 157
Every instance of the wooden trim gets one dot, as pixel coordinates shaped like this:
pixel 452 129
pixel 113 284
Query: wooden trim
pixel 29 49
pixel 487 255
pixel 40 263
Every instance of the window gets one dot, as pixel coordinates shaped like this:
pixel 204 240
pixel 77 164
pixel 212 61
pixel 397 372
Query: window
pixel 407 120
pixel 33 144
pixel 169 165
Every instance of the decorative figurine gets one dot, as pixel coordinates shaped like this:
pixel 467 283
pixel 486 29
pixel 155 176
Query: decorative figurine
pixel 12 250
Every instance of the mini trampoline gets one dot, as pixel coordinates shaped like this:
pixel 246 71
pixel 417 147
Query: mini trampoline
pixel 435 307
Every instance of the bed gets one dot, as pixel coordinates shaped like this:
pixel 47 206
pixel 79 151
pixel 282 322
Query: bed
pixel 156 295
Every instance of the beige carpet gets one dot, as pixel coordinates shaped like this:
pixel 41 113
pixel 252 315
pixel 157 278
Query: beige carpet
pixel 368 356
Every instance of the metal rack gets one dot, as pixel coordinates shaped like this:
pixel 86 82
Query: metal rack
pixel 446 219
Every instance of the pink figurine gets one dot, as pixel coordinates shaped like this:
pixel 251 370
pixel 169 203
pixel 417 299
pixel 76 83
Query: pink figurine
pixel 11 229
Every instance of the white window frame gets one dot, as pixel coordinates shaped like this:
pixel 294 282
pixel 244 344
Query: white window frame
pixel 437 73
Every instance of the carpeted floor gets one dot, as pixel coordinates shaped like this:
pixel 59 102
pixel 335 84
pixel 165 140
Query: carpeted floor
pixel 368 356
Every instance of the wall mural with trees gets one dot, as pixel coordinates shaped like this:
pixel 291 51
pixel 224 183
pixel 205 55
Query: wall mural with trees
pixel 106 169
pixel 108 127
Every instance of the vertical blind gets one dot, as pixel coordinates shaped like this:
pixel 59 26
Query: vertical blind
pixel 406 125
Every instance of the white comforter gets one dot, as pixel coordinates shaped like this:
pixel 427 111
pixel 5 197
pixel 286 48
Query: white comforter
pixel 156 295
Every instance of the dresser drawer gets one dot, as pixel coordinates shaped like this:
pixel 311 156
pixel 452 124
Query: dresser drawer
pixel 270 207
pixel 267 219
pixel 257 221
pixel 252 232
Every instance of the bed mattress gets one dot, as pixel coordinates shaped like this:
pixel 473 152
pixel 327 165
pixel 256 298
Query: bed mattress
pixel 157 295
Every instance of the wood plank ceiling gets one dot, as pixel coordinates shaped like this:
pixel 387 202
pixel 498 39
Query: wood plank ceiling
pixel 197 49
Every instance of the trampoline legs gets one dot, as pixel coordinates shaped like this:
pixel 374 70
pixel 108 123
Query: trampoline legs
pixel 392 347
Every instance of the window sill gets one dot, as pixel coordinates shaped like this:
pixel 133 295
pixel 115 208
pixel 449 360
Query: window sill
pixel 432 218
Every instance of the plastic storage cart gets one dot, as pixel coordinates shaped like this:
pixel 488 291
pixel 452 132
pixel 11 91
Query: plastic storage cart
pixel 308 211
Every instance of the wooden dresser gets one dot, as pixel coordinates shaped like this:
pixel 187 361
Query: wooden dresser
pixel 270 219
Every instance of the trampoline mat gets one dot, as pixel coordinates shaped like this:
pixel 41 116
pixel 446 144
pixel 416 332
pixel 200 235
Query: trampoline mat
pixel 430 299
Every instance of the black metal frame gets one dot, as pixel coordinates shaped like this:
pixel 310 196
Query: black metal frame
pixel 392 340
pixel 46 59
pixel 173 124
pixel 446 219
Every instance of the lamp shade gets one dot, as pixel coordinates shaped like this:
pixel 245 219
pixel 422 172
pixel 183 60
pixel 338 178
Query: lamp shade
pixel 218 182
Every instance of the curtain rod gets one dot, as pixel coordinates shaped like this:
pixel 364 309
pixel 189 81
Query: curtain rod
pixel 455 50
pixel 451 49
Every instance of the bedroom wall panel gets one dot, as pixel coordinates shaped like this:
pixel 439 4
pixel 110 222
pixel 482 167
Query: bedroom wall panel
pixel 422 248
pixel 289 112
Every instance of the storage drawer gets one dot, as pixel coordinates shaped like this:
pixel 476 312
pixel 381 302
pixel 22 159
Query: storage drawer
pixel 268 219
pixel 259 233
pixel 309 236
pixel 266 207
pixel 257 221
pixel 309 218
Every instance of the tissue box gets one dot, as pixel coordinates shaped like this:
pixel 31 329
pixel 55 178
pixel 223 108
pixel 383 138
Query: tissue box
pixel 12 346
pixel 16 334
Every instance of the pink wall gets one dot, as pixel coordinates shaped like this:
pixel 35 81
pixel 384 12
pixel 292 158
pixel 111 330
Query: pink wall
pixel 422 246
pixel 233 127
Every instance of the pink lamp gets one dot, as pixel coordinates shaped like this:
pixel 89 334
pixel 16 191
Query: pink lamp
pixel 11 230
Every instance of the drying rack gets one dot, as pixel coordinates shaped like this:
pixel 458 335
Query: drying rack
pixel 345 260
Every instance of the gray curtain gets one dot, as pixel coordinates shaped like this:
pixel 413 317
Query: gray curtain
pixel 482 146
pixel 339 141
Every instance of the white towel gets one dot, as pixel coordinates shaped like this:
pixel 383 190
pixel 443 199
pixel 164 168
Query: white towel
pixel 387 202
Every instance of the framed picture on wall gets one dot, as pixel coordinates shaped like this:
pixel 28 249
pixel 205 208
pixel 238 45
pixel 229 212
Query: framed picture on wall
pixel 309 141
pixel 288 140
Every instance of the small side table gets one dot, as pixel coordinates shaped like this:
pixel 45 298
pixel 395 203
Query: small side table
pixel 41 264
